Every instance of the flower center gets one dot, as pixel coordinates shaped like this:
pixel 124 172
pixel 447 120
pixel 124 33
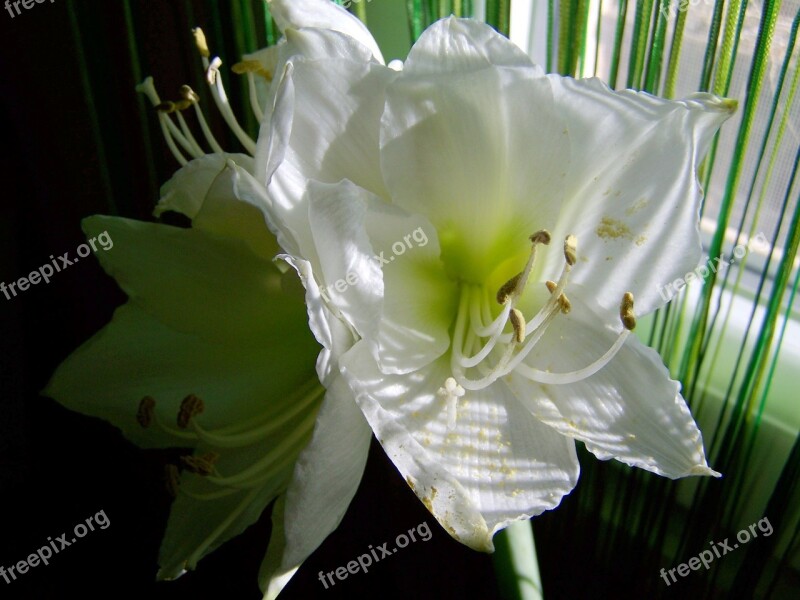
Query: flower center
pixel 485 348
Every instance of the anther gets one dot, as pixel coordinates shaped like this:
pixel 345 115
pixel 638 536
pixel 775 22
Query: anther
pixel 202 464
pixel 540 237
pixel 146 412
pixel 165 107
pixel 508 288
pixel 518 323
pixel 188 93
pixel 190 407
pixel 563 301
pixel 200 42
pixel 251 66
pixel 626 314
pixel 172 479
pixel 570 249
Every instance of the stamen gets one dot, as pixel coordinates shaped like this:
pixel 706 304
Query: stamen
pixel 200 42
pixel 570 249
pixel 628 321
pixel 272 462
pixel 508 288
pixel 190 407
pixel 563 301
pixel 451 392
pixel 146 411
pixel 516 285
pixel 626 313
pixel 518 323
pixel 221 100
pixel 547 377
pixel 148 88
pixel 189 94
pixel 202 464
pixel 541 237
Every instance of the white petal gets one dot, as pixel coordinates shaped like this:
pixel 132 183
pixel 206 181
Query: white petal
pixel 192 280
pixel 482 154
pixel 334 114
pixel 136 356
pixel 342 255
pixel 224 213
pixel 630 410
pixel 497 465
pixel 633 195
pixel 414 324
pixel 271 579
pixel 187 188
pixel 454 45
pixel 322 14
pixel 327 474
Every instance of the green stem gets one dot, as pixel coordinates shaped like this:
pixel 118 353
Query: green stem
pixel 515 563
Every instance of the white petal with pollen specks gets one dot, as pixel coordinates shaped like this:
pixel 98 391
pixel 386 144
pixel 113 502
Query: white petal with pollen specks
pixel 632 194
pixel 630 410
pixel 497 465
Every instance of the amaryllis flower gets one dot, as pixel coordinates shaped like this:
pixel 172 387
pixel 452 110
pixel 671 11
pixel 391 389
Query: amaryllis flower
pixel 208 354
pixel 486 235
pixel 212 352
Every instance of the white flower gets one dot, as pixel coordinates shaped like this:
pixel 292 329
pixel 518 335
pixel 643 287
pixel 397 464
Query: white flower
pixel 211 352
pixel 208 353
pixel 475 374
